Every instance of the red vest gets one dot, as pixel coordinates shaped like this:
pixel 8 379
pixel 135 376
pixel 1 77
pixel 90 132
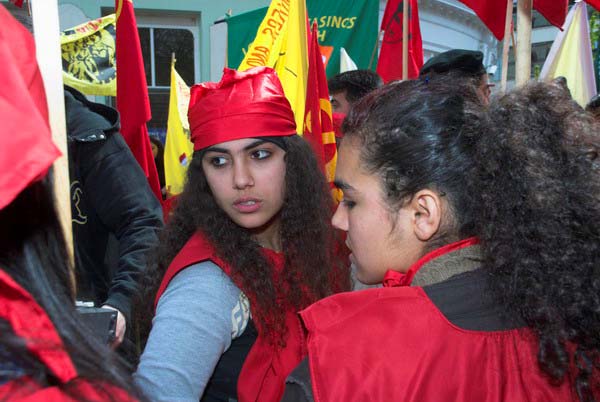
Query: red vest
pixel 265 369
pixel 30 322
pixel 394 344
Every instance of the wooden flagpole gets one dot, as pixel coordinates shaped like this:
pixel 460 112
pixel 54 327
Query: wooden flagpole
pixel 523 62
pixel 405 40
pixel 506 45
pixel 47 38
pixel 374 52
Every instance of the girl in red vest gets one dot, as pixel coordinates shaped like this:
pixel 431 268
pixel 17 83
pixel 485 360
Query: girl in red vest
pixel 45 352
pixel 248 245
pixel 483 227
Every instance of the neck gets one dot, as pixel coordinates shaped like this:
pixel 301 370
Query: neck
pixel 268 235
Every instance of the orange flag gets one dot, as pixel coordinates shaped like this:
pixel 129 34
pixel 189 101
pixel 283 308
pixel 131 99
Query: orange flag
pixel 318 123
pixel 132 93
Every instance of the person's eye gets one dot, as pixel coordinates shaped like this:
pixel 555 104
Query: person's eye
pixel 348 203
pixel 261 154
pixel 218 161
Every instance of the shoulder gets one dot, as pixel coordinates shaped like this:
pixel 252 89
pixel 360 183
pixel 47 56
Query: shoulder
pixel 366 305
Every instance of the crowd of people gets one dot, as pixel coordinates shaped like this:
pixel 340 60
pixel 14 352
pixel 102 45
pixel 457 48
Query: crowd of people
pixel 473 218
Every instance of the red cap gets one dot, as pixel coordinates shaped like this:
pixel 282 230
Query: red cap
pixel 244 104
pixel 27 148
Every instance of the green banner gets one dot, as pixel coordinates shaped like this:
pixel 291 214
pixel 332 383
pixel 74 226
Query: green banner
pixel 352 25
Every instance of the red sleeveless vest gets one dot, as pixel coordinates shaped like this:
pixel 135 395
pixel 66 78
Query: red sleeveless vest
pixel 394 344
pixel 266 367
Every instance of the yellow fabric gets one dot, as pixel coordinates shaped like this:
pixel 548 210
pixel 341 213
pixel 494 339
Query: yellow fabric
pixel 573 57
pixel 280 43
pixel 178 147
pixel 88 54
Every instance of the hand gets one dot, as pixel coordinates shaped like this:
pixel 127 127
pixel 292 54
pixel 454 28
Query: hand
pixel 120 329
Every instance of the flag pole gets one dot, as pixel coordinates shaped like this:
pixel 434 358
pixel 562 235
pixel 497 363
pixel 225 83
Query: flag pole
pixel 523 62
pixel 375 48
pixel 46 28
pixel 506 45
pixel 405 40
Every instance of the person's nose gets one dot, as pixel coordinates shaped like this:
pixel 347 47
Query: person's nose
pixel 340 218
pixel 242 175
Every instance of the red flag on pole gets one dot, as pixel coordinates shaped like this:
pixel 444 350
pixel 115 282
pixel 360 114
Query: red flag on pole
pixel 132 92
pixel 389 65
pixel 491 12
pixel 318 123
pixel 555 11
pixel 594 3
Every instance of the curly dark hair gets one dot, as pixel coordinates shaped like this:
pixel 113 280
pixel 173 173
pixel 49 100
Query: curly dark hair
pixel 310 245
pixel 521 177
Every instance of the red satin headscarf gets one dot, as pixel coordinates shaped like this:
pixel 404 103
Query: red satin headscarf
pixel 27 148
pixel 244 104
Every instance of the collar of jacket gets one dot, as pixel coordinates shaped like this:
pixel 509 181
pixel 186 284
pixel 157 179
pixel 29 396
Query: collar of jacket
pixel 439 265
pixel 88 121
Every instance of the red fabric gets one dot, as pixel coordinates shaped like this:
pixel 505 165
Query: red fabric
pixel 394 278
pixel 132 93
pixel 317 120
pixel 594 3
pixel 266 367
pixel 26 390
pixel 27 147
pixel 555 11
pixel 389 65
pixel 18 3
pixel 393 344
pixel 491 13
pixel 242 105
pixel 30 322
pixel 338 120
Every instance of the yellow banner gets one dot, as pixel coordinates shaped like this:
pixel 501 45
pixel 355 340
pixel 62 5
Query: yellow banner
pixel 178 147
pixel 88 57
pixel 281 43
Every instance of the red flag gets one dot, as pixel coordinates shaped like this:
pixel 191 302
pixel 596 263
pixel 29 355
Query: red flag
pixel 18 3
pixel 492 13
pixel 318 124
pixel 594 3
pixel 132 92
pixel 555 11
pixel 389 65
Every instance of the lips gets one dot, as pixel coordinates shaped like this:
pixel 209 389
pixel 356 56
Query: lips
pixel 247 205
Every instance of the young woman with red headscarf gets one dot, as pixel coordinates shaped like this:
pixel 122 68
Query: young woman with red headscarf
pixel 248 245
pixel 483 227
pixel 46 354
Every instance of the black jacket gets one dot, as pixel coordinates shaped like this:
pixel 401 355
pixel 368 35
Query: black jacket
pixel 110 199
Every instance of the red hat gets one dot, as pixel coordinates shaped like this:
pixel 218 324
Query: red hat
pixel 244 104
pixel 27 147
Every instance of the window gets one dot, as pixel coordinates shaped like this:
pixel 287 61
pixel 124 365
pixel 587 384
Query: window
pixel 159 45
pixel 163 34
pixel 539 53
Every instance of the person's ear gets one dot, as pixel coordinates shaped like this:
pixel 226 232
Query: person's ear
pixel 426 207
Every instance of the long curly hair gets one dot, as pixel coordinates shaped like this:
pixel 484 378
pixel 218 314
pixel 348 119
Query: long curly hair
pixel 313 267
pixel 523 177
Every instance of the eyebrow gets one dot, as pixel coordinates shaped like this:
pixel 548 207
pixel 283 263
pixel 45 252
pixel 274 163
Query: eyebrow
pixel 226 151
pixel 342 185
